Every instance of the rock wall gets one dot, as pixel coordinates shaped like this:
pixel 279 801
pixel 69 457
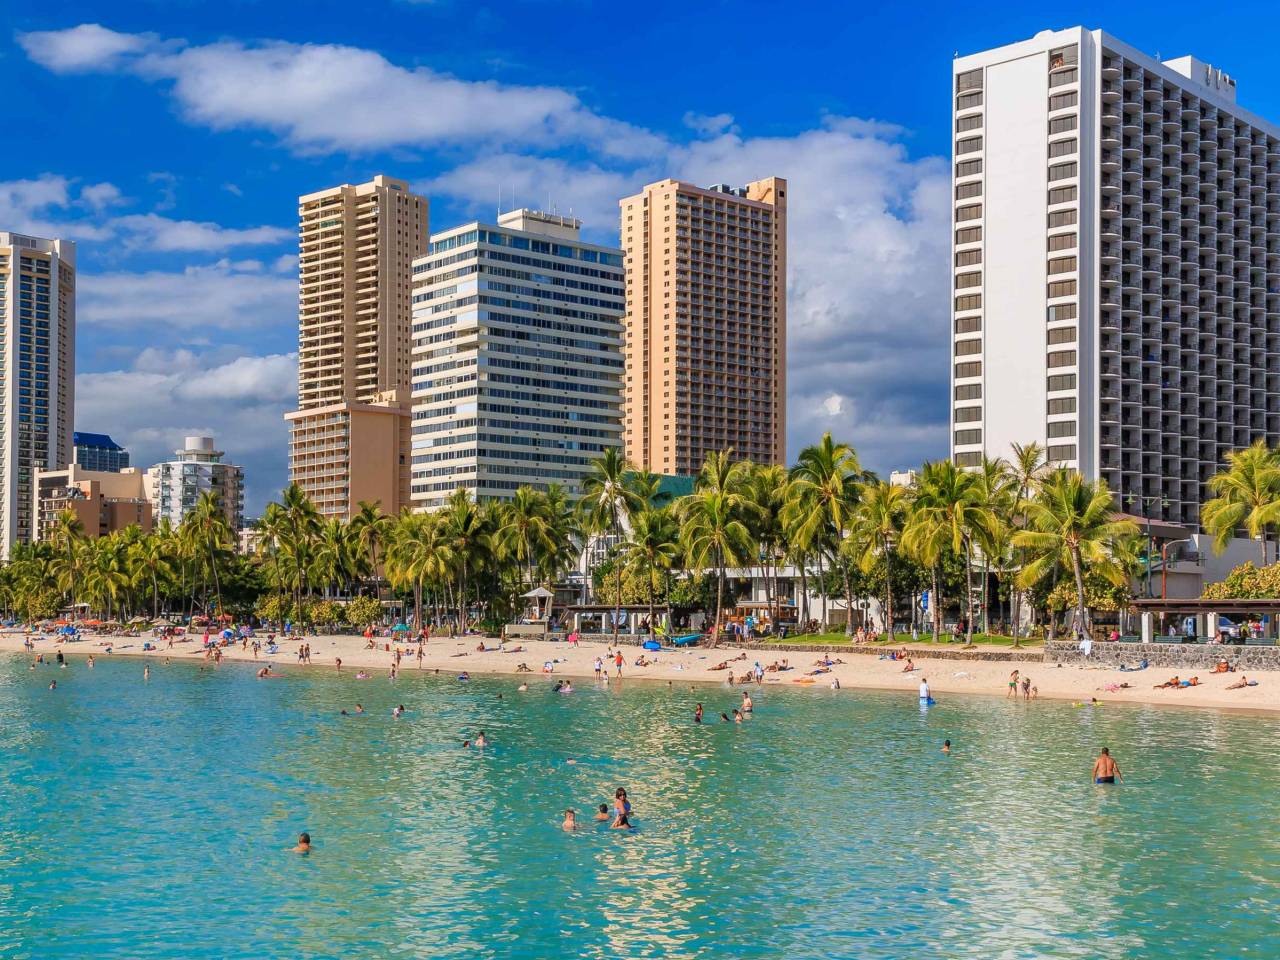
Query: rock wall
pixel 1187 656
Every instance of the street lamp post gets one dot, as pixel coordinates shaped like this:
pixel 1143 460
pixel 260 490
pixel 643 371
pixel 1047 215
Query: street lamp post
pixel 1144 503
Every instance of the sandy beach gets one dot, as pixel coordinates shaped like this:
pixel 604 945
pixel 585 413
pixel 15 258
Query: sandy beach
pixel 693 666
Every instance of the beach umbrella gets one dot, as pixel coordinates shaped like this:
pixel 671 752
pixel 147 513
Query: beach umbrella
pixel 400 628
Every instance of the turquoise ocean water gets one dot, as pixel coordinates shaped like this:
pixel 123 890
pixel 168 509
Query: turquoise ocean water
pixel 151 820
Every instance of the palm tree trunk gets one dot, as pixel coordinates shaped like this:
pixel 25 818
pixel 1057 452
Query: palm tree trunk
pixel 1080 603
pixel 617 581
pixel 848 597
pixel 937 604
pixel 968 594
pixel 888 592
pixel 822 591
pixel 652 590
pixel 715 637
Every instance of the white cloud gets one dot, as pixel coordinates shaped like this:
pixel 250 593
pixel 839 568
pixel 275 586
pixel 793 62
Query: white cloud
pixel 709 126
pixel 588 191
pixel 331 97
pixel 200 298
pixel 100 196
pixel 240 403
pixel 164 235
pixel 833 405
pixel 86 47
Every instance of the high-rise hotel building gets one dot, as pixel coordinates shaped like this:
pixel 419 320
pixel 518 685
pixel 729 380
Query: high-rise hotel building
pixel 517 358
pixel 1116 266
pixel 37 373
pixel 706 323
pixel 349 436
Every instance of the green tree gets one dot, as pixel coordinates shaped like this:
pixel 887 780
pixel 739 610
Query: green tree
pixel 652 550
pixel 608 495
pixel 875 533
pixel 1247 497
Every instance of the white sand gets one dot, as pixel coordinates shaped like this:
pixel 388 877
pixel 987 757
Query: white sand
pixel 692 666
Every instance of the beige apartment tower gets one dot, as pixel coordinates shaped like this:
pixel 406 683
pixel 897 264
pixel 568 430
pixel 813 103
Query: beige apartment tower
pixel 705 336
pixel 349 436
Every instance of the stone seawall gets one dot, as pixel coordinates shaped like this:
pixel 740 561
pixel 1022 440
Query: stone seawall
pixel 1188 656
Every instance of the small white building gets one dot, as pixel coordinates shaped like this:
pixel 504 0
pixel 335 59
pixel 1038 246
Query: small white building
pixel 174 487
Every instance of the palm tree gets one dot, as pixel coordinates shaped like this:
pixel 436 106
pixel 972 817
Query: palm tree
pixel 652 549
pixel 417 553
pixel 336 555
pixel 766 492
pixel 823 494
pixel 1247 496
pixel 151 561
pixel 714 535
pixel 1026 467
pixel 948 512
pixel 1071 524
pixel 525 532
pixel 470 539
pixel 299 528
pixel 370 527
pixel 209 523
pixel 876 531
pixel 67 532
pixel 607 496
pixel 996 489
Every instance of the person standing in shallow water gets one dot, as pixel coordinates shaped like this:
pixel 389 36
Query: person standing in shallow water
pixel 1105 769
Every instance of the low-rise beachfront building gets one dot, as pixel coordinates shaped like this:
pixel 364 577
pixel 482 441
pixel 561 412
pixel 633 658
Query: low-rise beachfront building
pixel 175 486
pixel 104 501
pixel 517 358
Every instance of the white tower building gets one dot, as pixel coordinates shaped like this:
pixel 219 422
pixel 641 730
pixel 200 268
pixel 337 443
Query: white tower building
pixel 173 487
pixel 517 357
pixel 1116 266
pixel 37 372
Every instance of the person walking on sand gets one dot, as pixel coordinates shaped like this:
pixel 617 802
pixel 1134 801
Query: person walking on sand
pixel 1013 686
pixel 1105 769
pixel 617 663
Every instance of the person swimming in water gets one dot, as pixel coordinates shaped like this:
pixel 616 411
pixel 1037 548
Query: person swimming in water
pixel 146 672
pixel 747 704
pixel 481 739
pixel 697 714
pixel 522 688
pixel 737 716
pixel 53 684
pixel 621 804
pixel 621 822
pixel 946 746
pixel 304 844
pixel 602 813
pixel 397 711
pixel 1105 769
pixel 359 708
pixel 570 820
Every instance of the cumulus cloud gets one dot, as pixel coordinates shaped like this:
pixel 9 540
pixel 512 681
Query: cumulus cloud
pixel 164 235
pixel 710 125
pixel 220 296
pixel 240 403
pixel 328 96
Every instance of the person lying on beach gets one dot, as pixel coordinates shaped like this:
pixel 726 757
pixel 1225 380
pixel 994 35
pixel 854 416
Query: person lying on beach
pixel 814 673
pixel 640 661
pixel 722 665
pixel 826 662
pixel 741 656
pixel 304 844
pixel 1193 682
pixel 1242 682
pixel 464 653
pixel 1171 682
pixel 1223 666
pixel 517 649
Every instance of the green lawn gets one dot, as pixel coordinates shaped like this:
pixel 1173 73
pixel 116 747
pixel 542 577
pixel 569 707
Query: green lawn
pixel 839 638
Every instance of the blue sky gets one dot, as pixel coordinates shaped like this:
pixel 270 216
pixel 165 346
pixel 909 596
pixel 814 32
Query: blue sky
pixel 171 139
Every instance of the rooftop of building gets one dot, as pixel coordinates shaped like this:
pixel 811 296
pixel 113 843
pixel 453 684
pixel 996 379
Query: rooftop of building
pixel 99 441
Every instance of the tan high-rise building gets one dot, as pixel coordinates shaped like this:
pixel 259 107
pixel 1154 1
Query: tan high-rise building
pixel 37 373
pixel 705 337
pixel 349 435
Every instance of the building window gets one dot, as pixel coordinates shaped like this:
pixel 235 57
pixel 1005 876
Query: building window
pixel 968 324
pixel 968 145
pixel 1062 428
pixel 965 348
pixel 1062 171
pixel 1065 451
pixel 964 191
pixel 969 391
pixel 969 235
pixel 1062 148
pixel 1061 101
pixel 1062 311
pixel 969 168
pixel 968 414
pixel 971 369
pixel 971 122
pixel 1062 358
pixel 966 280
pixel 1062 335
pixel 971 80
pixel 1062 265
pixel 971 212
pixel 1062 195
pixel 1062 381
pixel 967 100
pixel 971 458
pixel 965 437
pixel 1062 241
pixel 968 258
pixel 1062 124
pixel 1062 218
pixel 1062 288
pixel 1063 77
pixel 970 301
